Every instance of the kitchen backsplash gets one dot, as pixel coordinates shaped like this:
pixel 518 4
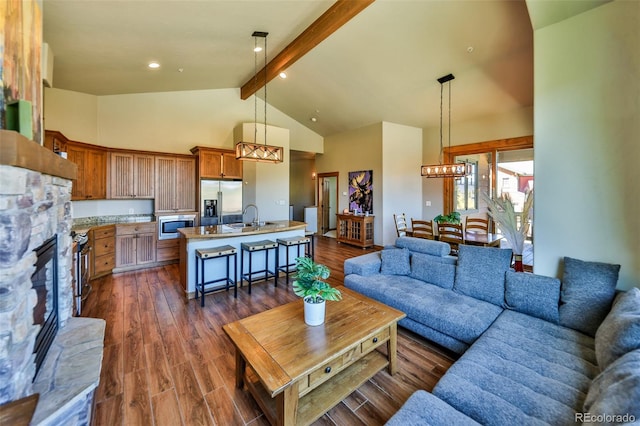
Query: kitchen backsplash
pixel 95 208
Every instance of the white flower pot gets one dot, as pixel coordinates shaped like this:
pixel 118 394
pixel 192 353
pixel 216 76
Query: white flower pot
pixel 313 312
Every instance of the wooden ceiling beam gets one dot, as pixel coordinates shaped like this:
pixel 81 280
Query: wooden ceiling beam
pixel 341 12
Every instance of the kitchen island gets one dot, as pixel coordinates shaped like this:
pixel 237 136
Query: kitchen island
pixel 203 237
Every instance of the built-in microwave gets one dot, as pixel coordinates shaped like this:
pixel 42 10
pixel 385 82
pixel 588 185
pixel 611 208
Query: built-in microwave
pixel 168 225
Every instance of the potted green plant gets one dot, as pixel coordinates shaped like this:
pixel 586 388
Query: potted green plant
pixel 453 217
pixel 310 285
pixel 502 211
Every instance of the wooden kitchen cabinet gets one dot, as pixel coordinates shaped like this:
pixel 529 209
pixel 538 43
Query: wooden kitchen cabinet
pixel 131 175
pixel 168 250
pixel 135 244
pixel 175 184
pixel 355 230
pixel 55 141
pixel 102 254
pixel 91 181
pixel 214 163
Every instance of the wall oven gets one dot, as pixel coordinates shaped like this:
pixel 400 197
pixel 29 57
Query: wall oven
pixel 168 225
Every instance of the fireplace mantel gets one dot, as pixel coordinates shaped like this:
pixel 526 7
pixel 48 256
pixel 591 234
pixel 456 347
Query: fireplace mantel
pixel 18 151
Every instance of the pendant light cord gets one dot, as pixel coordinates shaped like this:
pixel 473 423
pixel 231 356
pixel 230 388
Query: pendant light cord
pixel 265 90
pixel 440 158
pixel 449 129
pixel 255 95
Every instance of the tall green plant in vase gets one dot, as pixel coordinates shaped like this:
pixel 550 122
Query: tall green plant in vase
pixel 310 284
pixel 502 211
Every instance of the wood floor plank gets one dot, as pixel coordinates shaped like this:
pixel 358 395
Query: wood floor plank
pixel 137 402
pixel 112 373
pixel 160 378
pixel 166 410
pixel 167 360
pixel 193 406
pixel 223 409
pixel 109 412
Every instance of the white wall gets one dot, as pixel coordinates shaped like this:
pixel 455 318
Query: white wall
pixel 401 180
pixel 72 113
pixel 587 140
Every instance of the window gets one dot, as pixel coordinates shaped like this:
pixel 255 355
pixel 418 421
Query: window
pixel 466 189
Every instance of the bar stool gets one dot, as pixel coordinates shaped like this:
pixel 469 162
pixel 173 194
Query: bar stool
pixel 297 242
pixel 311 247
pixel 222 252
pixel 256 247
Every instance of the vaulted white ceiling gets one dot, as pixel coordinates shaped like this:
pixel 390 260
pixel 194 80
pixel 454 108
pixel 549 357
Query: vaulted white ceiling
pixel 381 66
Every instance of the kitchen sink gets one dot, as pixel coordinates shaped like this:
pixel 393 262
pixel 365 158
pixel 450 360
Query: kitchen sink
pixel 240 225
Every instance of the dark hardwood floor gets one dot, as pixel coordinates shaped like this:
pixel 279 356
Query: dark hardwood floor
pixel 168 362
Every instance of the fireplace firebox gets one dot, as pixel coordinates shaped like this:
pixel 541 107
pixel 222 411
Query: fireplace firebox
pixel 45 282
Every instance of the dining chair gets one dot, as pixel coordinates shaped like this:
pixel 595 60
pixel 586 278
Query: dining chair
pixel 422 228
pixel 401 224
pixel 451 233
pixel 476 224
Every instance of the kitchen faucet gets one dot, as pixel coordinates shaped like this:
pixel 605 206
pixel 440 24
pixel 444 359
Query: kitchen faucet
pixel 257 219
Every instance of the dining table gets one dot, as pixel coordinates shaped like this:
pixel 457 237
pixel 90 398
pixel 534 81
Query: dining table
pixel 482 239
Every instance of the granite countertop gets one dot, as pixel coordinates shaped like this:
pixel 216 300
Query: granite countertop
pixel 83 224
pixel 236 230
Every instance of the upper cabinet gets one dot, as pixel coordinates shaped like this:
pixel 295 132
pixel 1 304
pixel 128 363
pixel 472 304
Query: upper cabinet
pixel 175 184
pixel 91 181
pixel 131 175
pixel 214 163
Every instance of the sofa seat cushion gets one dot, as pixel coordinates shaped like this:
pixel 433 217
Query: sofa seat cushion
pixel 365 265
pixel 616 391
pixel 422 408
pixel 522 370
pixel 451 313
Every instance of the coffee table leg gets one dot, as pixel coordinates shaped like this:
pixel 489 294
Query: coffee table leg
pixel 287 405
pixel 392 349
pixel 240 367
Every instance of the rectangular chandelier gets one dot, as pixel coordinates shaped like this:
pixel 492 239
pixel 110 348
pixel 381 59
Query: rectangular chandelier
pixel 446 170
pixel 250 151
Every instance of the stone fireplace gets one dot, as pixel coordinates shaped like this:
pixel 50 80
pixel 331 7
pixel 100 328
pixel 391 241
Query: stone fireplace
pixel 35 210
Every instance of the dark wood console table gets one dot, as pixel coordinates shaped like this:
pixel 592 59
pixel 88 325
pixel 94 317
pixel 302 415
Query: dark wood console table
pixel 355 229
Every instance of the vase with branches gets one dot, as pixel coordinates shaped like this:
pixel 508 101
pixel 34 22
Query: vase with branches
pixel 502 211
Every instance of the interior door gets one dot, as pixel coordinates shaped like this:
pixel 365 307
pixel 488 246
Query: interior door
pixel 327 201
pixel 326 204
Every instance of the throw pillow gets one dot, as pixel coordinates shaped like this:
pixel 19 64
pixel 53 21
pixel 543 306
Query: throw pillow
pixel 588 288
pixel 616 391
pixel 619 333
pixel 431 270
pixel 534 295
pixel 395 261
pixel 480 272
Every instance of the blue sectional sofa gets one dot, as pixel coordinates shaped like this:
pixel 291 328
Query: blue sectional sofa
pixel 535 349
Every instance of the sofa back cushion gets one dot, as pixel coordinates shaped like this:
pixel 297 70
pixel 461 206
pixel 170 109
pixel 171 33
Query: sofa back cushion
pixel 480 272
pixel 395 261
pixel 534 295
pixel 588 288
pixel 422 245
pixel 432 270
pixel 616 392
pixel 619 333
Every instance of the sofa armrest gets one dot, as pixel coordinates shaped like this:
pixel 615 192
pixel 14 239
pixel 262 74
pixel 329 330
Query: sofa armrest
pixel 365 265
pixel 423 408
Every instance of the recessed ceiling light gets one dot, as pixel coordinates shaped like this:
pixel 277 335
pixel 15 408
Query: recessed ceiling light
pixel 154 65
pixel 283 75
pixel 314 119
pixel 470 49
pixel 257 49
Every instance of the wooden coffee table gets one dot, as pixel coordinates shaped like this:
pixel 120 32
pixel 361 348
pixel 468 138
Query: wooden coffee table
pixel 296 372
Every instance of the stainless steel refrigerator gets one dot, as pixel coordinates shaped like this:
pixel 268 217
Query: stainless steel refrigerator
pixel 220 202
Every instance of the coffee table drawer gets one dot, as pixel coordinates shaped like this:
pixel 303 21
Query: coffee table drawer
pixel 375 340
pixel 333 367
